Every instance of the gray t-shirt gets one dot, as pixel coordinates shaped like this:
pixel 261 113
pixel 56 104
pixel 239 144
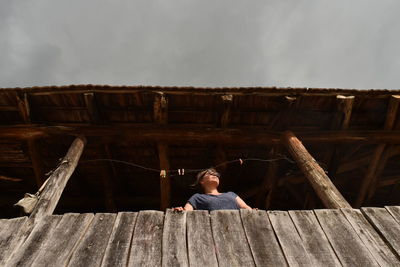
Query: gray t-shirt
pixel 224 201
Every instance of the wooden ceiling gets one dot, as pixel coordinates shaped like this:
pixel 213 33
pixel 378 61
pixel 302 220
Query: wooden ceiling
pixel 353 134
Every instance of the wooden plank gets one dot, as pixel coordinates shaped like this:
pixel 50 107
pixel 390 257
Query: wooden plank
pixel 323 186
pixel 90 250
pixel 394 211
pixel 57 250
pixel 200 242
pixel 371 239
pixel 26 253
pixel 386 224
pixel 230 239
pixel 57 181
pixel 348 246
pixel 117 251
pixel 147 239
pixel 289 239
pixel 314 240
pixel 262 240
pixel 174 250
pixel 9 230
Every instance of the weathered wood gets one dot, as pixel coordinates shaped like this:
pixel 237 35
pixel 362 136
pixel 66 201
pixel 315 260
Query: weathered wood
pixel 269 182
pixel 376 161
pixel 387 181
pixel 348 246
pixel 91 248
pixel 57 250
pixel 230 241
pixel 321 183
pixel 394 211
pixel 165 181
pixel 289 239
pixel 261 238
pixel 11 179
pixel 174 250
pixel 26 253
pixel 386 224
pixel 340 121
pixel 200 242
pixel 37 162
pixel 117 251
pixel 147 239
pixel 314 239
pixel 24 107
pixel 223 122
pixel 92 108
pixel 160 114
pixel 9 231
pixel 201 134
pixel 371 239
pixel 52 192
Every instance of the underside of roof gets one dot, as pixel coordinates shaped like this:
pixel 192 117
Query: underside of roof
pixel 133 132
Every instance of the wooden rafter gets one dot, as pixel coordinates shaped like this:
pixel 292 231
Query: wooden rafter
pixel 24 109
pixel 376 161
pixel 341 121
pixel 109 177
pixel 160 112
pixel 321 183
pixel 224 120
pixel 58 179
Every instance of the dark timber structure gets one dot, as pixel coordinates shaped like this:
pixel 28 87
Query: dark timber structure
pixel 300 149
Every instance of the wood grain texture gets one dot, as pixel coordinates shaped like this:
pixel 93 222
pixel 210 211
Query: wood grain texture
pixel 394 211
pixel 26 253
pixel 58 179
pixel 323 186
pixel 57 250
pixel 147 239
pixel 174 250
pixel 314 240
pixel 118 247
pixel 201 248
pixel 9 231
pixel 290 241
pixel 386 224
pixel 347 245
pixel 90 250
pixel 230 239
pixel 261 238
pixel 371 239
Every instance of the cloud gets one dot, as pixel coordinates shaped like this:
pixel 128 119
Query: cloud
pixel 201 43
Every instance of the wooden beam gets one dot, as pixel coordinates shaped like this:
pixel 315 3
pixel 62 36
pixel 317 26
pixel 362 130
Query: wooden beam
pixel 340 121
pixel 57 181
pixel 178 134
pixel 92 108
pixel 370 176
pixel 223 122
pixel 10 179
pixel 24 108
pixel 321 183
pixel 107 178
pixel 270 180
pixel 160 113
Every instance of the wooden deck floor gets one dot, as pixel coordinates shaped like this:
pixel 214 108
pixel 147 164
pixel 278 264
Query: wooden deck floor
pixel 347 237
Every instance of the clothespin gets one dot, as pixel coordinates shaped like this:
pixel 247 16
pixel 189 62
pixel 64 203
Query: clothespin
pixel 163 174
pixel 241 161
pixel 183 171
pixel 179 171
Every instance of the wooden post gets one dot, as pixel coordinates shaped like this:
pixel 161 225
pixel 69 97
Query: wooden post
pixel 321 183
pixel 224 119
pixel 52 192
pixel 160 110
pixel 376 161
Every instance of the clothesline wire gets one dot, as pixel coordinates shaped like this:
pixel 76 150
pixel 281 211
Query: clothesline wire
pixel 283 157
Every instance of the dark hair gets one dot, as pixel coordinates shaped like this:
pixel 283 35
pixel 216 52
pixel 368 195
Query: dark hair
pixel 201 174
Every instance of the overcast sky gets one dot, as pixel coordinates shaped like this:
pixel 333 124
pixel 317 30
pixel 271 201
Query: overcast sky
pixel 298 43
